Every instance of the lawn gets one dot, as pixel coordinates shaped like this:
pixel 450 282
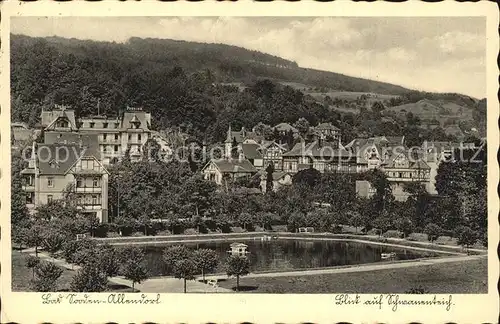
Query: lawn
pixel 21 276
pixel 456 278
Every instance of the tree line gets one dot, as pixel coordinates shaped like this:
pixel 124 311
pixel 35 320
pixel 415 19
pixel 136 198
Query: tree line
pixel 97 263
pixel 44 73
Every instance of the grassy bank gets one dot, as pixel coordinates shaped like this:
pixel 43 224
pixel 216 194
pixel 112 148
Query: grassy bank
pixel 21 276
pixel 456 278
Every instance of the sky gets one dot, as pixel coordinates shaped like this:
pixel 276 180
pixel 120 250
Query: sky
pixel 439 54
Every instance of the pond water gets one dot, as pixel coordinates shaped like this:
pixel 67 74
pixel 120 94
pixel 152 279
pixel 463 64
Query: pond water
pixel 282 255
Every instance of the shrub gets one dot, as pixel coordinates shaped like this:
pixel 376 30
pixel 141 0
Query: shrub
pixel 225 228
pixel 211 225
pixel 113 234
pixel 101 230
pixel 393 234
pixel 69 249
pixel 336 229
pixel 190 231
pixel 467 237
pixel 157 227
pixel 433 231
pixel 32 262
pixel 137 234
pixel 163 233
pixel 46 275
pixel 89 279
pixel 178 228
pixel 53 241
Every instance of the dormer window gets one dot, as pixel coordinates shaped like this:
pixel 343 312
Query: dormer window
pixel 135 122
pixel 53 164
pixel 104 125
pixel 91 124
pixel 62 123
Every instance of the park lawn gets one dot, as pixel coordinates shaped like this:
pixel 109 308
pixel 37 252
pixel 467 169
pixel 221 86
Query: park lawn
pixel 455 278
pixel 21 276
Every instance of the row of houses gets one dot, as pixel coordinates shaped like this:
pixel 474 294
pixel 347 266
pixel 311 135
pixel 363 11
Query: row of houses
pixel 247 155
pixel 73 155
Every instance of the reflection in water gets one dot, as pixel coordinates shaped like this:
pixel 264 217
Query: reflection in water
pixel 280 255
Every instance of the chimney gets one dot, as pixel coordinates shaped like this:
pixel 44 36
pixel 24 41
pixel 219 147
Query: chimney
pixel 241 156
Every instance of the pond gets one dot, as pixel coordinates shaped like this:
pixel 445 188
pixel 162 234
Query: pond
pixel 283 255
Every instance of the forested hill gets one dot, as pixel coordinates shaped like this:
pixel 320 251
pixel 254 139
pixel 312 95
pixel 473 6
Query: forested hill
pixel 178 82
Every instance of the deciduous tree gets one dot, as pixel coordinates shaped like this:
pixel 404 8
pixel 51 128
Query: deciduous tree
pixel 237 266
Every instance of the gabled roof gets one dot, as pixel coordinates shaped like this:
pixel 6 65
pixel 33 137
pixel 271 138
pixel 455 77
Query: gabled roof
pixel 136 115
pixel 326 126
pixel 420 164
pixel 251 151
pixel 65 154
pixel 88 141
pixel 48 117
pixel 232 166
pixel 64 116
pixel 315 149
pixel 285 127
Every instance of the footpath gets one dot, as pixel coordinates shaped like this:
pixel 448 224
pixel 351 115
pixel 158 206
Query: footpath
pixel 153 285
pixel 359 268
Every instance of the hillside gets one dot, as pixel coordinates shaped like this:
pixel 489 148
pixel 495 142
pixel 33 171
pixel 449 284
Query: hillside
pixel 201 87
pixel 228 63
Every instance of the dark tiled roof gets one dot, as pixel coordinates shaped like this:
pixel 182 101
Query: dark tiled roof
pixel 57 159
pixel 88 141
pixel 251 151
pixel 235 166
pixel 326 126
pixel 316 149
pixel 49 116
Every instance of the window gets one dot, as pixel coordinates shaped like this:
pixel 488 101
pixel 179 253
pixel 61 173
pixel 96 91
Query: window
pixel 95 182
pixel 116 148
pixel 50 198
pixel 62 123
pixel 116 137
pixel 79 183
pixel 104 136
pixel 50 182
pixel 117 125
pixel 94 200
pixel 139 137
pixel 29 197
pixel 91 125
pixel 129 137
pixel 29 180
pixel 104 125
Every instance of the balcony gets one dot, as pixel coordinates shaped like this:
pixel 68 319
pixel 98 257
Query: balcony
pixel 110 141
pixel 88 189
pixel 28 188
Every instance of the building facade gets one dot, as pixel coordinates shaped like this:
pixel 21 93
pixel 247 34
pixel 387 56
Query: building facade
pixel 116 136
pixel 56 170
